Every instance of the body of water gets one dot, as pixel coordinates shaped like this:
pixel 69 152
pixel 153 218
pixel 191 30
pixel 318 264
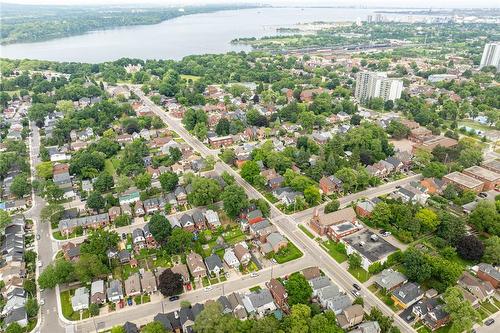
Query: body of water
pixel 177 38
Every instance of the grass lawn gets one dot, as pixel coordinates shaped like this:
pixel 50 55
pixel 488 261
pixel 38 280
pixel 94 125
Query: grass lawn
pixel 57 235
pixel 190 77
pixel 444 329
pixel 256 288
pixel 497 302
pixel 307 232
pixel 360 274
pixel 482 313
pixel 222 278
pixel 288 253
pixel 67 309
pixel 205 282
pixel 109 167
pixel 214 281
pixel 489 307
pixel 333 249
pixel 234 236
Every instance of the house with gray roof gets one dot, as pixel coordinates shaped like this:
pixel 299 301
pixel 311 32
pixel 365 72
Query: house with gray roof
pixel 407 294
pixel 259 303
pixel 97 292
pixel 318 283
pixel 18 315
pixel 367 327
pixel 80 300
pixel 214 264
pixel 115 291
pixel 389 279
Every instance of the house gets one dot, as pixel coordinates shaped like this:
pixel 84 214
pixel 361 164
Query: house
pixel 80 300
pixel 332 299
pixel 369 246
pixel 224 305
pixel 212 219
pixel 126 210
pixel 321 223
pixel 407 294
pixel 318 283
pixel 259 303
pixel 115 291
pixel 488 273
pixel 286 195
pixel 186 318
pixel 129 327
pixel 139 208
pixel 129 197
pixel 272 178
pixel 482 290
pixel 97 292
pixel 220 141
pixel 162 318
pixel 276 241
pixel 133 285
pixel 214 264
pixel 311 273
pixel 16 299
pixel 330 185
pixel 254 216
pixel 67 226
pixel 71 251
pixel 237 306
pixel 231 259
pixel 183 271
pixel 492 165
pixel 433 185
pixel 431 313
pixel 389 279
pixel 180 195
pixel 124 257
pixel 279 294
pixel 196 266
pixel 199 220
pixel 18 315
pixel 351 316
pixel 242 254
pixel 148 282
pixel 138 239
pixel 173 318
pixel 114 212
pixel 365 208
pixel 187 223
pixel 367 327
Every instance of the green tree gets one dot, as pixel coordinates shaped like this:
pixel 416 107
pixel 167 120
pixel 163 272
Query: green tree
pixel 299 318
pixel 228 156
pixel 143 181
pixel 154 327
pixel 312 195
pixel 428 219
pixel 463 315
pixel 123 183
pixel 492 250
pixel 249 170
pixel 94 309
pixel 212 320
pixel 435 169
pixel 98 242
pixel 485 217
pixel 397 130
pixel 168 181
pixel 14 328
pixel 234 200
pixel 118 329
pixel 222 127
pixel 354 261
pixel 416 266
pixel 44 170
pixel 5 219
pixel 200 131
pixel 170 283
pixel 332 206
pixel 52 213
pixel 95 201
pixel 104 182
pixel 20 186
pixel 298 289
pixel 205 191
pixel 31 307
pixel 89 267
pixel 324 323
pixel 381 215
pixel 348 177
pixel 180 241
pixel 160 228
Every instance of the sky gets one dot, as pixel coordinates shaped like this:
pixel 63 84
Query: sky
pixel 368 3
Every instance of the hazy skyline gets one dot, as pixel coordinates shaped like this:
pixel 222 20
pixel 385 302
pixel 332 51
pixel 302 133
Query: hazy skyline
pixel 368 3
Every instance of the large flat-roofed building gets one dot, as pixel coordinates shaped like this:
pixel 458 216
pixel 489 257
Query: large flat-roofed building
pixel 369 246
pixel 490 178
pixel 491 55
pixel 376 84
pixel 464 182
pixel 429 143
pixel 493 165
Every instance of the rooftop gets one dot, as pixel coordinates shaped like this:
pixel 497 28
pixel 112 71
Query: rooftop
pixel 483 173
pixel 463 179
pixel 372 248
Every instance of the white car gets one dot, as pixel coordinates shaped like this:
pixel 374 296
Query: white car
pixel 207 289
pixel 39 263
pixel 254 274
pixel 42 302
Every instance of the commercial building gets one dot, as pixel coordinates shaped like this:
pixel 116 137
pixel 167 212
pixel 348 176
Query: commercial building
pixel 376 84
pixel 490 178
pixel 464 182
pixel 491 55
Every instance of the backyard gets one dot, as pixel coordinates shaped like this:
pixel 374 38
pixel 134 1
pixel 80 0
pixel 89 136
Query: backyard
pixel 288 253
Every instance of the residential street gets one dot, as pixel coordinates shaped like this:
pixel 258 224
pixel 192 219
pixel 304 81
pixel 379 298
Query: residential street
pixel 285 223
pixel 49 318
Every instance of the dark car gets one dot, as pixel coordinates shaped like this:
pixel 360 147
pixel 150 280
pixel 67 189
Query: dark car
pixel 173 298
pixel 356 286
pixel 124 236
pixel 483 195
pixel 489 322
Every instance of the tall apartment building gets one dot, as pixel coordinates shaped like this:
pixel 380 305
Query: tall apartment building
pixel 491 55
pixel 376 84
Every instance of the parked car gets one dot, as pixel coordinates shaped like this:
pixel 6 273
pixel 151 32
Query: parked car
pixel 483 195
pixel 386 234
pixel 207 289
pixel 355 293
pixel 355 285
pixel 124 236
pixel 42 302
pixel 129 301
pixel 173 298
pixel 39 263
pixel 188 286
pixel 254 274
pixel 489 322
pixel 37 236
